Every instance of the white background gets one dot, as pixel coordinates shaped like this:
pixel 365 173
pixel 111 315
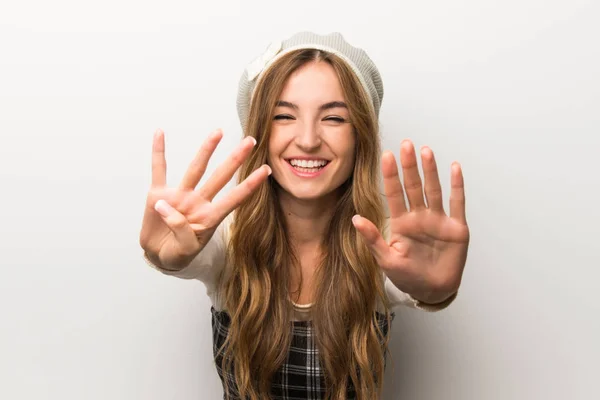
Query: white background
pixel 510 89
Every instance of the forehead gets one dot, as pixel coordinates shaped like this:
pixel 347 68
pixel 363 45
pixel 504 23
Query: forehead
pixel 314 82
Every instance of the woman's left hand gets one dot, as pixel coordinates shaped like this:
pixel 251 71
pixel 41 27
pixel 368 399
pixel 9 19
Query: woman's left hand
pixel 427 249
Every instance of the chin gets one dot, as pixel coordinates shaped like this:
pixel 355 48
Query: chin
pixel 310 192
pixel 306 195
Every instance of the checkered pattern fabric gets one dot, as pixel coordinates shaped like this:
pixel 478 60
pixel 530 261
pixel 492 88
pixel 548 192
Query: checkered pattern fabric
pixel 301 376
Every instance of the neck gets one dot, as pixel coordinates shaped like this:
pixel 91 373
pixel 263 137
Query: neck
pixel 307 220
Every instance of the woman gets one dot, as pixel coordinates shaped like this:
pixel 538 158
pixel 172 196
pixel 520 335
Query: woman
pixel 301 279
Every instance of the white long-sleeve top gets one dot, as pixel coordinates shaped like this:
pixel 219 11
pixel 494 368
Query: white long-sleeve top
pixel 209 267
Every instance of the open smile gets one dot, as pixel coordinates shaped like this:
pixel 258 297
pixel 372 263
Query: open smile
pixel 307 168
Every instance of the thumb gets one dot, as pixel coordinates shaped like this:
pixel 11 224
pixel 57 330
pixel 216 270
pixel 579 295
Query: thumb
pixel 372 238
pixel 178 224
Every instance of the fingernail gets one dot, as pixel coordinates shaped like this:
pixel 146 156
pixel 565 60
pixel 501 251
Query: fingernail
pixel 163 208
pixel 270 171
pixel 253 140
pixel 355 219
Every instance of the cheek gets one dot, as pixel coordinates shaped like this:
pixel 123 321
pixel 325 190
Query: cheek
pixel 350 154
pixel 278 143
pixel 344 145
pixel 274 145
pixel 349 161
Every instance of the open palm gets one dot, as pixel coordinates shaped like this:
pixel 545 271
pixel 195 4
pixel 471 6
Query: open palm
pixel 179 221
pixel 426 249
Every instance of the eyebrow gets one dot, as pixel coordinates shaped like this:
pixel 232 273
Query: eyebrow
pixel 326 106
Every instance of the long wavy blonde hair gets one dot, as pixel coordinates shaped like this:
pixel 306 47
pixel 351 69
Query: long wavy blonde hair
pixel 348 280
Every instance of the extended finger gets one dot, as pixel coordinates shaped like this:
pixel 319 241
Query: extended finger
pixel 241 192
pixel 433 188
pixel 372 238
pixel 412 179
pixel 457 194
pixel 225 171
pixel 392 186
pixel 198 166
pixel 159 163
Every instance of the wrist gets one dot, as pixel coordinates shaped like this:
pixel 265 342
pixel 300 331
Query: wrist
pixel 435 304
pixel 436 297
pixel 155 263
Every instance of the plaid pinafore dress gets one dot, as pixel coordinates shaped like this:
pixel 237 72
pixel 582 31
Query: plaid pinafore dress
pixel 300 377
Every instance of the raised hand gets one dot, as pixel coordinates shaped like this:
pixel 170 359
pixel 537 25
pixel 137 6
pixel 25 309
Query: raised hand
pixel 427 249
pixel 179 221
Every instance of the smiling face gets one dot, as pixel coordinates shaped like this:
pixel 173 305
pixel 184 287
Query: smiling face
pixel 312 142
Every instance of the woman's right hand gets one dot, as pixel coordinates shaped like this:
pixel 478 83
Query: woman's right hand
pixel 179 222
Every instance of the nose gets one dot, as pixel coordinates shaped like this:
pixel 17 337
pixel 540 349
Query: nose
pixel 308 137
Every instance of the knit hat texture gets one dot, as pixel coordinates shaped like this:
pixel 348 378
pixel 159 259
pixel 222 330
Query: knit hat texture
pixel 356 58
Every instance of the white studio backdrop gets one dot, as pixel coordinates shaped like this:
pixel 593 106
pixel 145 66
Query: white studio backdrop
pixel 510 89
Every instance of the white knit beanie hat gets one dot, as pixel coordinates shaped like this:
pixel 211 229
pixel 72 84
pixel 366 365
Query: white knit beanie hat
pixel 357 59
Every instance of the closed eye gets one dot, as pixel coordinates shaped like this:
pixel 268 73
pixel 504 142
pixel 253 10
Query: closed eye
pixel 283 116
pixel 335 119
pixel 339 120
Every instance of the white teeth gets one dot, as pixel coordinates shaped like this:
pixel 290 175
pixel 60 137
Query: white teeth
pixel 308 164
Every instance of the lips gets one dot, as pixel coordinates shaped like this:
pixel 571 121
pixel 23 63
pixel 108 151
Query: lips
pixel 307 168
